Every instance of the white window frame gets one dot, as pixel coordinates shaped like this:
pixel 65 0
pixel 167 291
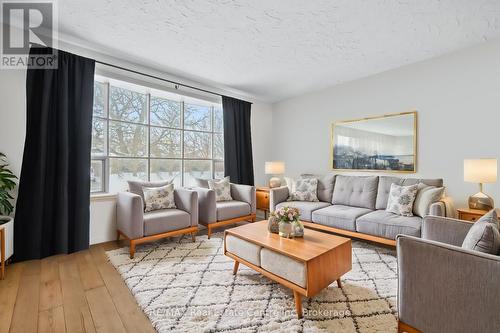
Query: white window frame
pixel 106 157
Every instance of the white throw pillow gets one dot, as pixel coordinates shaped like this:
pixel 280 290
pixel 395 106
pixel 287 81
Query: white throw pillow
pixel 401 199
pixel 305 189
pixel 426 196
pixel 157 198
pixel 222 189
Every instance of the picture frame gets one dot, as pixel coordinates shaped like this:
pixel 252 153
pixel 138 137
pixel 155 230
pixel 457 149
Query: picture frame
pixel 386 143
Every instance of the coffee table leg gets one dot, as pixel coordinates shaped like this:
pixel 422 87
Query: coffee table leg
pixel 298 303
pixel 2 259
pixel 235 268
pixel 339 283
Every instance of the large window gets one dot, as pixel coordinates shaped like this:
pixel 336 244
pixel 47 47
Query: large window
pixel 146 134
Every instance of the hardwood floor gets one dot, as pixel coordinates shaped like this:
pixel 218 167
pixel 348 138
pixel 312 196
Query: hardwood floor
pixel 80 292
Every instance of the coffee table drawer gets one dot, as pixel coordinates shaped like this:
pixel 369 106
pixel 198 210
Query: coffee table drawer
pixel 290 269
pixel 243 249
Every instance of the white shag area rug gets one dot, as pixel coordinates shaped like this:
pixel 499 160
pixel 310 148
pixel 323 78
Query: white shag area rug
pixel 189 287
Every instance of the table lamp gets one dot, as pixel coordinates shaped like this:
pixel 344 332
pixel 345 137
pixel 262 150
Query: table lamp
pixel 480 171
pixel 274 168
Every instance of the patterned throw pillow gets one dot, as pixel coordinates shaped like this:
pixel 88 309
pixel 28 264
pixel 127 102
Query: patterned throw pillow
pixel 157 198
pixel 401 199
pixel 484 236
pixel 222 189
pixel 305 189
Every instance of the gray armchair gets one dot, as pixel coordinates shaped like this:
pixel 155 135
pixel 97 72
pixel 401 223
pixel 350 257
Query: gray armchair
pixel 140 227
pixel 213 214
pixel 442 287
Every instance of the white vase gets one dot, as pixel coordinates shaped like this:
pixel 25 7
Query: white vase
pixel 9 235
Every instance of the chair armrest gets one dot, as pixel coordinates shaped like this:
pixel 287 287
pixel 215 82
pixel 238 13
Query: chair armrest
pixel 445 229
pixel 277 195
pixel 444 288
pixel 207 209
pixel 187 200
pixel 130 214
pixel 245 193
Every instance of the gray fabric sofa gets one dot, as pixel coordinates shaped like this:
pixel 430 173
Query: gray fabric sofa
pixel 213 214
pixel 140 227
pixel 442 287
pixel 355 206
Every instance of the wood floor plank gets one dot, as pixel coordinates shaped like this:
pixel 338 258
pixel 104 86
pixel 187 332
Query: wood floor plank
pixel 51 320
pixel 74 300
pixel 89 274
pixel 25 316
pixel 104 313
pixel 133 318
pixel 8 294
pixel 50 284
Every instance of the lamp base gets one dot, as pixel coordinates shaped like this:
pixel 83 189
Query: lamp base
pixel 274 182
pixel 481 201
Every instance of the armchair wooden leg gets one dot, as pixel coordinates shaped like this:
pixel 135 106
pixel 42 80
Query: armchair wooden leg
pixel 339 283
pixel 193 236
pixel 132 249
pixel 235 268
pixel 209 231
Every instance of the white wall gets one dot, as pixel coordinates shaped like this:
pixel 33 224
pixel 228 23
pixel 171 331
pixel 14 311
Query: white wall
pixel 457 97
pixel 102 210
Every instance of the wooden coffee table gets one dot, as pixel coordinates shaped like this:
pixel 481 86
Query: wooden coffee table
pixel 306 265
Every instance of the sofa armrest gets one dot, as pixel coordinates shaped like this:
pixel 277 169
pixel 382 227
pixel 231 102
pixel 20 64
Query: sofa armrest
pixel 207 209
pixel 444 288
pixel 445 230
pixel 130 214
pixel 277 195
pixel 437 209
pixel 245 193
pixel 187 200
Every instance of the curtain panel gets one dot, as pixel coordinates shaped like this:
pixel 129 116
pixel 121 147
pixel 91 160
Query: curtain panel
pixel 52 210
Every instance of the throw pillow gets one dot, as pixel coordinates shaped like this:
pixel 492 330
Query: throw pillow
pixel 157 198
pixel 304 190
pixel 325 186
pixel 401 199
pixel 135 186
pixel 222 189
pixel 426 196
pixel 484 235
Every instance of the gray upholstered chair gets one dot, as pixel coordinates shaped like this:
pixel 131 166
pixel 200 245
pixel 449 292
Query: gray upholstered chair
pixel 443 287
pixel 140 227
pixel 213 214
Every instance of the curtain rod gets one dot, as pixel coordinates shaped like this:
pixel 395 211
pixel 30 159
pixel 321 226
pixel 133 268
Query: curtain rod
pixel 177 84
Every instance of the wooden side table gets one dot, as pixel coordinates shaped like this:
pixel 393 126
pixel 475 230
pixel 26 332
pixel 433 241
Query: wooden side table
pixel 472 215
pixel 2 249
pixel 262 194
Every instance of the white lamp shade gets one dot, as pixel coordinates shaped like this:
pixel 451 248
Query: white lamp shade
pixel 275 168
pixel 482 170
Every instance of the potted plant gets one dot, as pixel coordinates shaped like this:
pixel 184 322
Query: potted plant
pixel 288 217
pixel 7 184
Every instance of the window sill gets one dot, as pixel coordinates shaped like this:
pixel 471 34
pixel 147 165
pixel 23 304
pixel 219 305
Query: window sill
pixel 102 197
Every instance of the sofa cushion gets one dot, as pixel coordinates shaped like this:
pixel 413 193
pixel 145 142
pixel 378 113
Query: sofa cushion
pixel 339 216
pixel 243 249
pixel 325 185
pixel 227 210
pixel 388 225
pixel 288 268
pixel 384 187
pixel 357 191
pixel 160 221
pixel 305 207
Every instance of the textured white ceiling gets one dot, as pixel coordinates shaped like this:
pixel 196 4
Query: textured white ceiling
pixel 281 48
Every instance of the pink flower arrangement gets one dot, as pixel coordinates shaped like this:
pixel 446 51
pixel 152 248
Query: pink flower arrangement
pixel 287 214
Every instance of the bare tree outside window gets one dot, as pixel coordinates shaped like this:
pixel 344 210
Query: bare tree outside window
pixel 148 137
